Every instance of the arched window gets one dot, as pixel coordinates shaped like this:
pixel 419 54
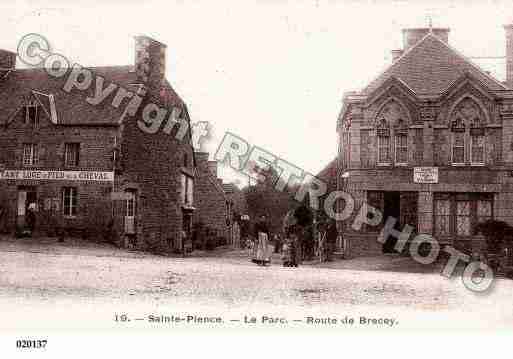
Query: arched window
pixel 392 134
pixel 458 142
pixel 477 142
pixel 383 134
pixel 467 131
pixel 401 143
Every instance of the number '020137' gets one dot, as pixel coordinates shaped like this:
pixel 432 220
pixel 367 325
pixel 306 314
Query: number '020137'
pixel 31 344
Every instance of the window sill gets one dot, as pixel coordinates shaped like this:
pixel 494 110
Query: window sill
pixel 458 164
pixel 477 164
pixel 70 217
pixel 384 164
pixel 401 164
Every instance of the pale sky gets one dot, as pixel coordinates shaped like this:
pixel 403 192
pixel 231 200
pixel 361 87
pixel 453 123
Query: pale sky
pixel 273 72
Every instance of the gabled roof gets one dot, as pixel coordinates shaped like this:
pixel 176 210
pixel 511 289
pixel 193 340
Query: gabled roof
pixel 72 108
pixel 430 67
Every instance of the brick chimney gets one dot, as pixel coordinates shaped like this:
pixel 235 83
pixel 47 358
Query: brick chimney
pixel 509 54
pixel 212 167
pixel 150 61
pixel 412 36
pixel 7 60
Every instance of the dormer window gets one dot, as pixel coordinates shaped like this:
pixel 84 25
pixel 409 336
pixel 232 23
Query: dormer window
pixel 32 114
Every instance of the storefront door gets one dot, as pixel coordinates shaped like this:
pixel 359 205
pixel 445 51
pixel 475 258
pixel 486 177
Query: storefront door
pixel 391 208
pixel 26 196
pixel 130 212
pixel 409 207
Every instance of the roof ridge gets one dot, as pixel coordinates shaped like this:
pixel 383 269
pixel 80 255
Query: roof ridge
pixel 394 63
pixel 455 52
pixel 467 59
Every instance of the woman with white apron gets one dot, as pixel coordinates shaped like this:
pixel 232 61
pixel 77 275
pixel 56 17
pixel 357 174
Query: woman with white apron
pixel 262 250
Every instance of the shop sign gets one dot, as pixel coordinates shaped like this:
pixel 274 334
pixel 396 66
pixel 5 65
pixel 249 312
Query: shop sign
pixel 89 176
pixel 425 174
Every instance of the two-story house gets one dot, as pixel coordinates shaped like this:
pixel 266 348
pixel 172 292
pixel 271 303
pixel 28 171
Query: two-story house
pixel 430 143
pixel 90 165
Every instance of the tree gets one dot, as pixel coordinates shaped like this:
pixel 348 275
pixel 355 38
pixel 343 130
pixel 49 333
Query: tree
pixel 263 198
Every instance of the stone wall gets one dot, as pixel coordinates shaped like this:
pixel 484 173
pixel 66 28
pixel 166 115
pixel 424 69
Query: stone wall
pixel 210 199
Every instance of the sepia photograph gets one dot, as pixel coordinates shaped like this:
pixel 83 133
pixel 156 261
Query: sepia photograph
pixel 259 167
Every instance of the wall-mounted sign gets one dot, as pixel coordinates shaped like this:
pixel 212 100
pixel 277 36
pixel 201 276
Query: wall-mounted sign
pixel 425 174
pixel 89 176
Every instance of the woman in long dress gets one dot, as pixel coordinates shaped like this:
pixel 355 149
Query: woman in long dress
pixel 262 251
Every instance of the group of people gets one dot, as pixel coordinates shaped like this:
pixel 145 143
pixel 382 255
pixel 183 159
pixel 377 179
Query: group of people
pixel 291 247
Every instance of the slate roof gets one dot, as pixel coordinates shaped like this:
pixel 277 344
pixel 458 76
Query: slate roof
pixel 72 108
pixel 430 67
pixel 496 67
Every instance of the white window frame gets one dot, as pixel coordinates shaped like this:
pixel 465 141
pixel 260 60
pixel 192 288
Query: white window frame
pixel 396 137
pixel 453 134
pixel 472 162
pixel 379 150
pixel 71 145
pixel 30 157
pixel 130 211
pixel 73 194
pixel 187 190
pixel 130 204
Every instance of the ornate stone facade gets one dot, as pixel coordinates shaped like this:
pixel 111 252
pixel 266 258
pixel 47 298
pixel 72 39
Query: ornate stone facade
pixel 433 109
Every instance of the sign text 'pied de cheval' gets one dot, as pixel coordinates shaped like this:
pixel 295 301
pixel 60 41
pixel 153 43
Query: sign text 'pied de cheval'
pixel 425 174
pixel 93 176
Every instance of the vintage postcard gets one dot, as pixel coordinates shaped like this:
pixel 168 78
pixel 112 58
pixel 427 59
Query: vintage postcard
pixel 191 168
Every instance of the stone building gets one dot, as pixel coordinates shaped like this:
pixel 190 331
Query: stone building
pixel 211 202
pixel 87 164
pixel 430 143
